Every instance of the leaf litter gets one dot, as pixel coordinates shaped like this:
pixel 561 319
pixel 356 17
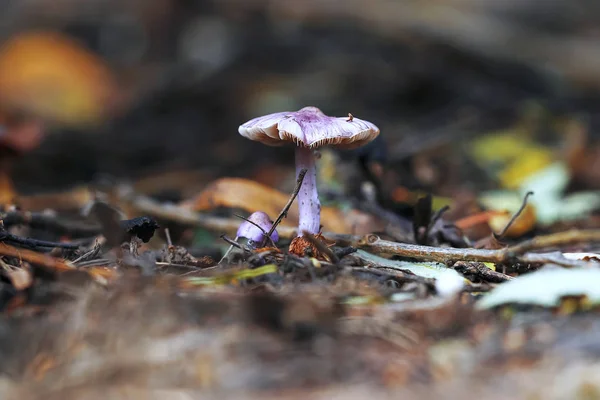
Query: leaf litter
pixel 414 288
pixel 363 311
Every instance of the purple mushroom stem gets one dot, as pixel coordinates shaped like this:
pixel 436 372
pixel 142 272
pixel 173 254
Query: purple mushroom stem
pixel 309 129
pixel 309 207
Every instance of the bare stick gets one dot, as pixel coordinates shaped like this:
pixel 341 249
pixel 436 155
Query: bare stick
pixel 557 239
pixel 168 236
pixel 518 253
pixel 144 205
pixel 290 201
pixel 481 271
pixel 261 229
pixel 514 217
pixel 36 258
pixel 321 246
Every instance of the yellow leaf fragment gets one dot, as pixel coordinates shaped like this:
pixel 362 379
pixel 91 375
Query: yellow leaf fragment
pixel 510 156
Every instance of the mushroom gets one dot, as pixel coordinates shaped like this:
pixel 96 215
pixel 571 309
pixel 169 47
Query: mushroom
pixel 309 129
pixel 255 229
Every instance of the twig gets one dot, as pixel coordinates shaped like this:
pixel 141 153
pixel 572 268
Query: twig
pixel 36 258
pixel 518 253
pixel 168 236
pixel 144 205
pixel 514 217
pixel 229 249
pixel 321 246
pixel 232 242
pixel 481 271
pixel 557 239
pixel 95 263
pixel 261 229
pixel 34 243
pixel 89 255
pixel 285 210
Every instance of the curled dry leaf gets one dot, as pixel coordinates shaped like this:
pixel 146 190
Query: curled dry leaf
pixel 524 223
pixel 251 196
pixel 50 76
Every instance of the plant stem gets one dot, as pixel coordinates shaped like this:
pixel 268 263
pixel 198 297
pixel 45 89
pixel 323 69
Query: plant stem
pixel 309 207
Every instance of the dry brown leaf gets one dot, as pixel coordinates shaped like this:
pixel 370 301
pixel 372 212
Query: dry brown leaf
pixel 50 76
pixel 524 223
pixel 252 196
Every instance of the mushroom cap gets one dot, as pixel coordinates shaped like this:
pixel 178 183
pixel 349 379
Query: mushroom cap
pixel 309 127
pixel 252 232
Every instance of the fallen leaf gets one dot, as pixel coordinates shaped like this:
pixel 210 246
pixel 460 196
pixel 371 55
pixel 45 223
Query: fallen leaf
pixel 545 288
pixel 50 76
pixel 510 156
pixel 524 223
pixel 252 196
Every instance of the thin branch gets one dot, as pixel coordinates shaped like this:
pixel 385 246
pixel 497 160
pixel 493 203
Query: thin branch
pixel 557 239
pixel 89 255
pixel 144 205
pixel 514 217
pixel 229 249
pixel 321 246
pixel 34 243
pixel 261 229
pixel 518 253
pixel 36 258
pixel 481 271
pixel 232 242
pixel 168 236
pixel 285 210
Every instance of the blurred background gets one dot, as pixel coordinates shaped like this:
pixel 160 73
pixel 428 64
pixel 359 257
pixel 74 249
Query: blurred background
pixel 153 91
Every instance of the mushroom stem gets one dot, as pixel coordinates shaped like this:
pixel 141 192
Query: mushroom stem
pixel 309 207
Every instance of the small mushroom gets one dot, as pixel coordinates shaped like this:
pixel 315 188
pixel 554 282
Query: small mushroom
pixel 309 129
pixel 255 229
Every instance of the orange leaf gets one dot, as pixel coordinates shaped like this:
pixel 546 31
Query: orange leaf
pixel 253 196
pixel 524 223
pixel 52 77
